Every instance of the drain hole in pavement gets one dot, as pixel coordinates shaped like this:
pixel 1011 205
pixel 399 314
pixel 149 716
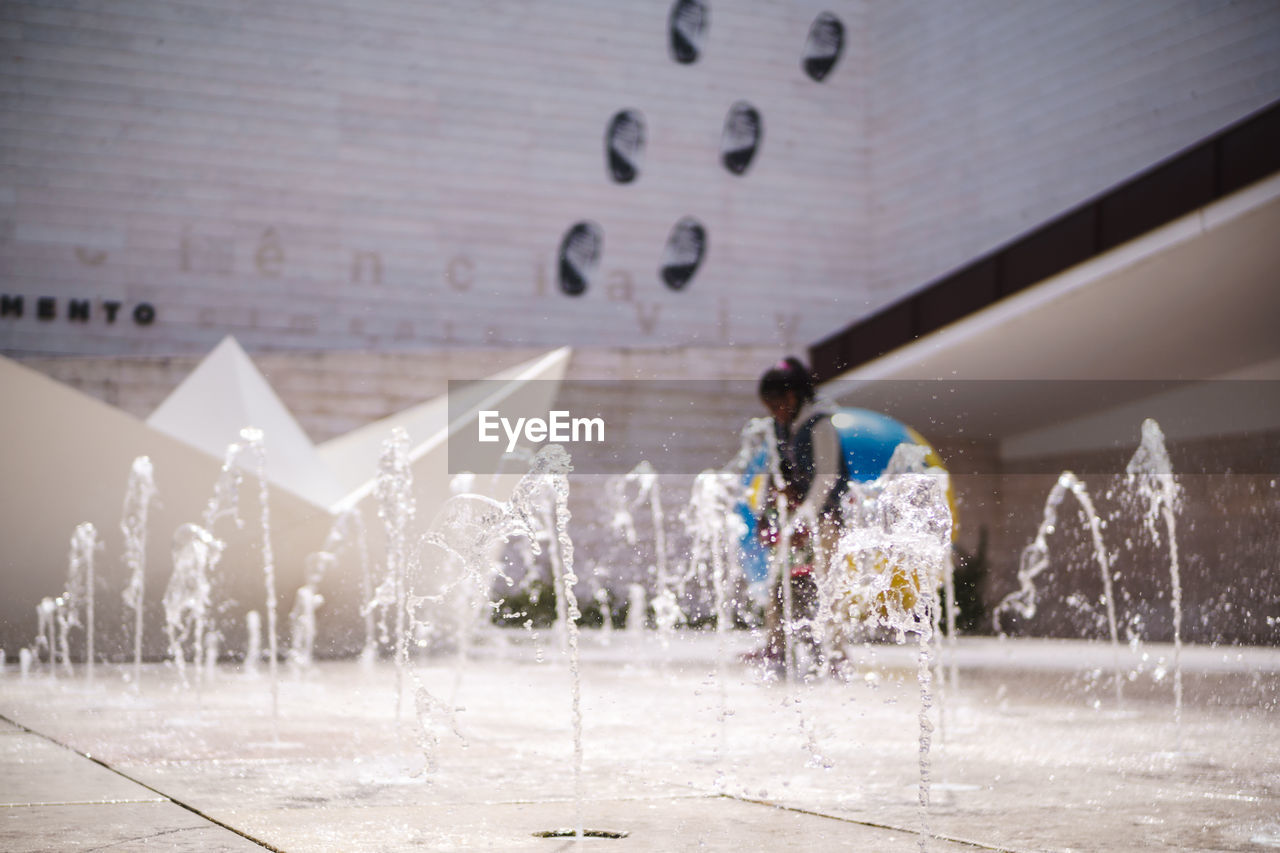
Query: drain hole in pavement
pixel 586 833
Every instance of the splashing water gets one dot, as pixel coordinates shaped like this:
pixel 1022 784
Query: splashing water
pixel 78 594
pixel 396 507
pixel 467 530
pixel 302 618
pixel 896 543
pixel 531 515
pixel 759 433
pixel 430 713
pixel 466 534
pixel 949 590
pixel 139 493
pixel 759 436
pixel 225 500
pixel 666 608
pixel 46 611
pixel 550 470
pixel 1035 559
pixel 187 598
pixel 253 642
pixel 556 467
pixel 1150 475
pixel 212 648
pixel 547 525
pixel 188 601
pixel 713 526
pixel 254 439
pixel 637 604
pixel 912 459
pixel 223 503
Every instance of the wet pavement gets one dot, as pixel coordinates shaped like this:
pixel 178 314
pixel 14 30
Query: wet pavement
pixel 683 748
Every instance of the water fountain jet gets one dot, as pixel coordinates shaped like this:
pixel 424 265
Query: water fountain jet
pixel 79 594
pixel 897 541
pixel 1035 559
pixel 139 495
pixel 396 508
pixel 1149 474
pixel 713 526
pixel 302 617
pixel 187 598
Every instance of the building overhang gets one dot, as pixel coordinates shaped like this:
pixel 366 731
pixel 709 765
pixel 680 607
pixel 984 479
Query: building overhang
pixel 1154 326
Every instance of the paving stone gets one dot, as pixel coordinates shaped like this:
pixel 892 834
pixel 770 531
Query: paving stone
pixel 666 825
pixel 125 827
pixel 34 771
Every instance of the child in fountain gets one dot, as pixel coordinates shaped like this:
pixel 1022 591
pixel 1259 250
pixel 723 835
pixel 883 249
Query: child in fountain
pixel 814 479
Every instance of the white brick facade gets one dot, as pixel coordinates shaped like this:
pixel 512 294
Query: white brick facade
pixel 990 117
pixel 395 174
pixel 371 194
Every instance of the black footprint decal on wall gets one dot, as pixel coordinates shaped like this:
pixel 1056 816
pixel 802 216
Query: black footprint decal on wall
pixel 688 26
pixel 624 146
pixel 741 138
pixel 822 48
pixel 685 249
pixel 579 256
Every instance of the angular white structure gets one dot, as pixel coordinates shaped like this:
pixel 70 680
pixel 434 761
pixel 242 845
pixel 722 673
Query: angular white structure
pixel 226 393
pixel 66 457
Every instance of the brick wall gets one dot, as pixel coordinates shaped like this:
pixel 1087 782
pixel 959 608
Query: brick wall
pixel 333 392
pixel 394 175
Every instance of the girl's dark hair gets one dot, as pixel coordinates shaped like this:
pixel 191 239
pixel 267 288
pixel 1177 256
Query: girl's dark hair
pixel 790 374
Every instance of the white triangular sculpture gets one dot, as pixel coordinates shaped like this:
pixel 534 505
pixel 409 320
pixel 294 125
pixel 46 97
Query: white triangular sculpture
pixel 66 458
pixel 226 393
